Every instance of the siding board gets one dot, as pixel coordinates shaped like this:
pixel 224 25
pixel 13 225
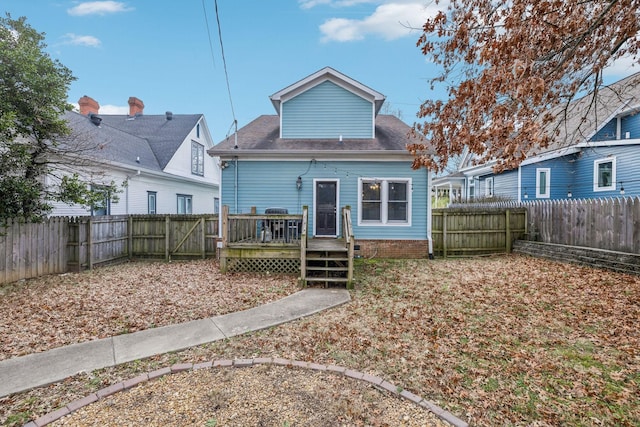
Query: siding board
pixel 327 111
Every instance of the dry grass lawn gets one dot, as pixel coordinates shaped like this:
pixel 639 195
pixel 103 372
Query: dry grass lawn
pixel 507 340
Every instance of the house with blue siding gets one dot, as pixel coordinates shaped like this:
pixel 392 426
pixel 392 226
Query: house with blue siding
pixel 328 147
pixel 595 154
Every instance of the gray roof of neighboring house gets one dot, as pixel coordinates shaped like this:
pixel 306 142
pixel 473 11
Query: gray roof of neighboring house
pixel 152 139
pixel 164 136
pixel 263 134
pixel 582 118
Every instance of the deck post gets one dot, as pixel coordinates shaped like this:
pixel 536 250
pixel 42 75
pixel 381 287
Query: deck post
pixel 303 247
pixel 225 238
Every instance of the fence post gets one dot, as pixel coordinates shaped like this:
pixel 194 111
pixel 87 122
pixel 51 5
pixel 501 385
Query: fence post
pixel 444 234
pixel 89 244
pixel 130 236
pixel 507 215
pixel 204 238
pixel 167 224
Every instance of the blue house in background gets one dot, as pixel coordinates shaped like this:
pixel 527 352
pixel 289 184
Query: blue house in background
pixel 596 154
pixel 327 147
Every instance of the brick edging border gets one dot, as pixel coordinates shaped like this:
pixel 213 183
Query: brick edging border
pixel 244 363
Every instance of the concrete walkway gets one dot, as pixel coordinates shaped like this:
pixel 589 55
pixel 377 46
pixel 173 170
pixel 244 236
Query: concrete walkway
pixel 23 373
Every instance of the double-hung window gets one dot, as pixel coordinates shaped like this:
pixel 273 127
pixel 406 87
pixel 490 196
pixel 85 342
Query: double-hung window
pixel 604 174
pixel 384 201
pixel 185 203
pixel 543 183
pixel 197 158
pixel 488 187
pixel 103 206
pixel 152 198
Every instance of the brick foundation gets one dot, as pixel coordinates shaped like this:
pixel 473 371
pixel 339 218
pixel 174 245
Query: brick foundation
pixel 393 248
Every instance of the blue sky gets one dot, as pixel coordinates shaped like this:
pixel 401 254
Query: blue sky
pixel 160 51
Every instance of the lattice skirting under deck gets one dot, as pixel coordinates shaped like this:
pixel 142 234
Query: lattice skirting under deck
pixel 263 265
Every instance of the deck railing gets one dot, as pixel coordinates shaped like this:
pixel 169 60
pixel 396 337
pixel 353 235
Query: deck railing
pixel 347 234
pixel 303 244
pixel 261 229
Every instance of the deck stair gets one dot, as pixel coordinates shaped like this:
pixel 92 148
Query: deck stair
pixel 328 261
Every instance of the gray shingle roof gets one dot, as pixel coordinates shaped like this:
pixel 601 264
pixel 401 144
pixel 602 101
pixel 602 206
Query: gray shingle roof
pixel 163 136
pixel 105 142
pixel 262 134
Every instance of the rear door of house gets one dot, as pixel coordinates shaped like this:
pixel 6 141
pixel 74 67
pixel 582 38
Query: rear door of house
pixel 326 207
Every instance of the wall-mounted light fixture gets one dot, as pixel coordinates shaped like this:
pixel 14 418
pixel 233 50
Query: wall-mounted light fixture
pixel 224 165
pixel 299 183
pixel 526 196
pixel 621 189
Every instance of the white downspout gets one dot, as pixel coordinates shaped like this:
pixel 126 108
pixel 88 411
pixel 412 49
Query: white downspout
pixel 429 214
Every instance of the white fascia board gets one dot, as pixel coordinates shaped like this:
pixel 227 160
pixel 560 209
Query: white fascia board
pixel 320 76
pixel 350 155
pixel 484 169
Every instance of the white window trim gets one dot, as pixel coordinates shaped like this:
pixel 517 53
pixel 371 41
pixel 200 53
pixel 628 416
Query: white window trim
pixel 198 163
pixel 488 187
pixel 384 196
pixel 471 188
pixel 546 194
pixel 154 195
pixel 185 197
pixel 596 163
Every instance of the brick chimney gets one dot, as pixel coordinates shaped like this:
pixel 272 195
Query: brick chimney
pixel 88 105
pixel 136 106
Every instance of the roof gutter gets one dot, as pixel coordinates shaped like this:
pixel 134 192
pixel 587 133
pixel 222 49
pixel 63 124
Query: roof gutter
pixel 324 155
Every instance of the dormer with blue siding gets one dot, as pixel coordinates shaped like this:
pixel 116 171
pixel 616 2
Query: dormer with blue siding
pixel 327 105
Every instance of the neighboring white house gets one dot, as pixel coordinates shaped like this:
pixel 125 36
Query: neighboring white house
pixel 159 161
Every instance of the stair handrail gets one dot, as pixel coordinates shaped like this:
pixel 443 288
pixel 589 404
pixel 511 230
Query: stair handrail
pixel 303 246
pixel 347 233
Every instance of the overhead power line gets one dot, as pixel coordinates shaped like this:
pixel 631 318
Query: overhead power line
pixel 224 63
pixel 206 20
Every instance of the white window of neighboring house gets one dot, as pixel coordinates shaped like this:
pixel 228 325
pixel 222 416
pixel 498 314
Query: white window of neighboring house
pixel 472 189
pixel 216 205
pixel 543 183
pixel 488 187
pixel 384 201
pixel 104 208
pixel 197 158
pixel 604 174
pixel 185 203
pixel 151 202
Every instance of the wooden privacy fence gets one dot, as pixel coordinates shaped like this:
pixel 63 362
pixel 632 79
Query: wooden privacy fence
pixel 610 224
pixel 473 231
pixel 61 244
pixel 33 249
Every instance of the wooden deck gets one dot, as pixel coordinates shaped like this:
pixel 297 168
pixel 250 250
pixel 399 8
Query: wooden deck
pixel 280 244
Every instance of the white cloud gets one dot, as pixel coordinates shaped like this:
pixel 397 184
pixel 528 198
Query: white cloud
pixel 98 8
pixel 623 67
pixel 114 109
pixel 390 21
pixel 308 4
pixel 79 40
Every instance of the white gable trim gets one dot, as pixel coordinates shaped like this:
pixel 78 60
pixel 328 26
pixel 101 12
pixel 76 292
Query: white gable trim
pixel 333 76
